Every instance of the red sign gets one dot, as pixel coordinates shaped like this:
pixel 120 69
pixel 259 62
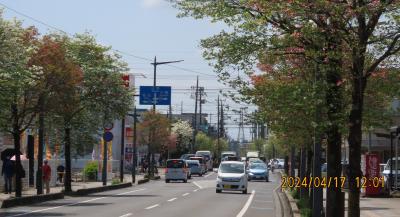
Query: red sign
pixel 372 171
pixel 125 78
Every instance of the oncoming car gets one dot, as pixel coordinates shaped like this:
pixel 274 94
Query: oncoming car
pixel 232 177
pixel 258 171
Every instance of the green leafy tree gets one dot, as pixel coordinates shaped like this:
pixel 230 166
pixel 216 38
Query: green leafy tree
pixel 351 39
pixel 204 142
pixel 18 101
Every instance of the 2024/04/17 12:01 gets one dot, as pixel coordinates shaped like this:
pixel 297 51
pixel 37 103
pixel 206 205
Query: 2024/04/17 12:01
pixel 327 182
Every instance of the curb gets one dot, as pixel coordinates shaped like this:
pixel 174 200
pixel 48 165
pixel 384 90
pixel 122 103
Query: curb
pixel 86 191
pixel 290 206
pixel 142 181
pixel 18 201
pixel 295 212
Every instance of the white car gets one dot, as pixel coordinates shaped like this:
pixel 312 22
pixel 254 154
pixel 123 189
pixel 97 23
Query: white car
pixel 208 158
pixel 232 177
pixel 386 172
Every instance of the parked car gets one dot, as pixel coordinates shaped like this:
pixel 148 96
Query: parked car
pixel 386 172
pixel 208 158
pixel 202 161
pixel 232 177
pixel 195 167
pixel 176 169
pixel 258 171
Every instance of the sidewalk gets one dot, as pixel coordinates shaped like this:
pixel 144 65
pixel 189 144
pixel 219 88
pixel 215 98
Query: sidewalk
pixel 375 207
pixel 75 186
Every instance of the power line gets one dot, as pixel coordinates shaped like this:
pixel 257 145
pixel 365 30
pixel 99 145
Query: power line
pixel 116 50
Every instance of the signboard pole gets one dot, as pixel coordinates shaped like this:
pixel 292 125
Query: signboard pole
pixel 104 169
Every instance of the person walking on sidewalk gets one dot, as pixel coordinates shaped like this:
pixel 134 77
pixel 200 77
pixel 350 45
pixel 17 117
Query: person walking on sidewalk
pixel 46 176
pixel 8 172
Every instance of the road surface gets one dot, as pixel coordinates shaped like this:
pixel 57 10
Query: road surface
pixel 197 198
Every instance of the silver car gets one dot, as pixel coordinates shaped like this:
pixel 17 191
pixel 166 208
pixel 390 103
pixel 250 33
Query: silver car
pixel 177 169
pixel 195 167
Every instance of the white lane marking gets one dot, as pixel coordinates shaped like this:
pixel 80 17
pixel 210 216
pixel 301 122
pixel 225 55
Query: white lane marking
pixel 185 194
pixel 197 184
pixel 172 199
pixel 154 206
pixel 246 206
pixel 87 201
pixel 208 175
pixel 128 192
pixel 195 190
pixel 126 215
pixel 72 204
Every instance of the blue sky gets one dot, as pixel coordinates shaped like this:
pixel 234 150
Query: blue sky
pixel 143 28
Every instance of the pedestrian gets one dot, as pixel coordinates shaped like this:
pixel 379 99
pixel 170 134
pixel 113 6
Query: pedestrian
pixel 46 175
pixel 60 173
pixel 8 172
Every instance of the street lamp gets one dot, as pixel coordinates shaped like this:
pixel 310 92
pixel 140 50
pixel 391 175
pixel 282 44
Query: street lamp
pixel 155 64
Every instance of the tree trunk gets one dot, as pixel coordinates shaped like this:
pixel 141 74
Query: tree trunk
pixel 67 155
pixel 334 154
pixel 308 174
pixel 17 147
pixel 286 165
pixel 302 169
pixel 355 136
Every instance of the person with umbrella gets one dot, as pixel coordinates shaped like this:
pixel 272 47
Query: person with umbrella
pixel 8 172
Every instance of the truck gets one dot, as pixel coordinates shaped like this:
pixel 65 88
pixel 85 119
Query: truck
pixel 228 153
pixel 252 154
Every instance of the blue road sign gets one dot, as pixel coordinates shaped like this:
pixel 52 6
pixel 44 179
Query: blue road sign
pixel 108 136
pixel 162 95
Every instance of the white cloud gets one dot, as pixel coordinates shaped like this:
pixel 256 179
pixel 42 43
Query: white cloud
pixel 152 3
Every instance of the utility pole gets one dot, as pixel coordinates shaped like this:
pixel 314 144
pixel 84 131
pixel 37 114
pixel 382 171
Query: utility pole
pixel 317 200
pixel 155 64
pixel 201 102
pixel 39 173
pixel 121 163
pixel 170 127
pixel 195 116
pixel 134 159
pixel 218 133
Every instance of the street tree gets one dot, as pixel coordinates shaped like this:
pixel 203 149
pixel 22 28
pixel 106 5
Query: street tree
pixel 358 38
pixel 153 131
pixel 183 131
pixel 18 103
pixel 204 142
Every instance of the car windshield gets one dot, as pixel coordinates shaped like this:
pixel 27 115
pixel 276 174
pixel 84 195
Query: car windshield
pixel 257 166
pixel 231 168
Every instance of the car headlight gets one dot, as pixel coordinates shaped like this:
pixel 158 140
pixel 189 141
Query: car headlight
pixel 251 174
pixel 219 178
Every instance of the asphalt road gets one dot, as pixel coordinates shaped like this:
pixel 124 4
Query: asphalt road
pixel 197 198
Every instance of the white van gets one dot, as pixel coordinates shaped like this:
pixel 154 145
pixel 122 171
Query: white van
pixel 209 159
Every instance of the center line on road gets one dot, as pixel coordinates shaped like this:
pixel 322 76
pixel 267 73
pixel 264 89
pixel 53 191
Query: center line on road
pixel 246 206
pixel 172 199
pixel 197 184
pixel 154 206
pixel 195 190
pixel 185 194
pixel 126 215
